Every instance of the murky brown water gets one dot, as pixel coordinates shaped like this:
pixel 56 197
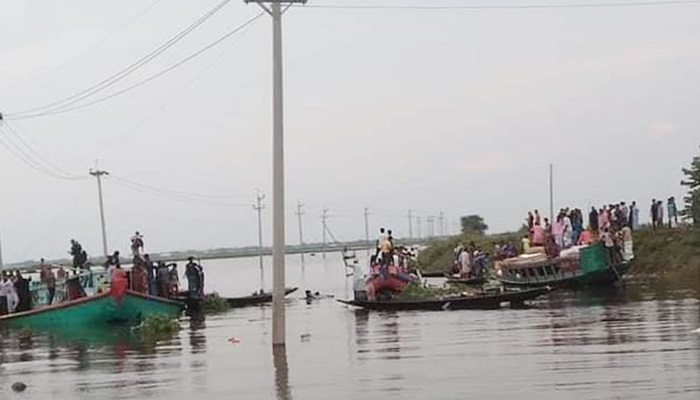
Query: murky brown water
pixel 613 345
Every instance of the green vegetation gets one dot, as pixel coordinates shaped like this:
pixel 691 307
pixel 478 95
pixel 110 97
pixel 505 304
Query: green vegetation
pixel 692 200
pixel 439 255
pixel 213 303
pixel 158 327
pixel 473 224
pixel 417 291
pixel 667 254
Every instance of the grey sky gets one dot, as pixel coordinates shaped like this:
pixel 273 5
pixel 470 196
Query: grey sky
pixel 453 110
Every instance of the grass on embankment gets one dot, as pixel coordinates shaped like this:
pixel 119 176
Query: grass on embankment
pixel 671 255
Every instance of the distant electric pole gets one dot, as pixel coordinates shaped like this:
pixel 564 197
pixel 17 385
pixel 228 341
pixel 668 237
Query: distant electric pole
pixel 367 243
pixel 324 217
pixel 410 224
pixel 418 221
pixel 258 206
pixel 299 213
pixel 99 174
pixel 441 224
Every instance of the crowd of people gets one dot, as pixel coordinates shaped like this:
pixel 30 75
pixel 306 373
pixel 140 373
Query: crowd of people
pixel 389 254
pixel 611 225
pixel 471 262
pixel 656 213
pixel 146 276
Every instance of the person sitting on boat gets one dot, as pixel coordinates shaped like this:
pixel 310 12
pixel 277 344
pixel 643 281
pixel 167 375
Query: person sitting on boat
pixel 526 244
pixel 551 248
pixel 586 238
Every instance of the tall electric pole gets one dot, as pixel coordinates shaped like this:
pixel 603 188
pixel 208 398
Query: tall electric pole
pixel 324 217
pixel 418 220
pixel 1 264
pixel 441 226
pixel 367 243
pixel 299 213
pixel 410 224
pixel 551 194
pixel 99 174
pixel 258 206
pixel 278 311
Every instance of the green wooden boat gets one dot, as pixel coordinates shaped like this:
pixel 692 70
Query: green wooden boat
pixel 98 310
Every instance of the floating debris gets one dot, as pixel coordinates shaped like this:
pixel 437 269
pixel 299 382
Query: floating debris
pixel 19 387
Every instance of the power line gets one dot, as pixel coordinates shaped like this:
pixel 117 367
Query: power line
pixel 23 154
pixel 506 6
pixel 96 44
pixel 85 93
pixel 177 194
pixel 170 99
pixel 63 109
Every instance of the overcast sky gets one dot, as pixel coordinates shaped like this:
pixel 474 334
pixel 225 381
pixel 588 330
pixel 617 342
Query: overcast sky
pixel 459 111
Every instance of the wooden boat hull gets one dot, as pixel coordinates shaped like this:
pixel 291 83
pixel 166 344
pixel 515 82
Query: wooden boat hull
pixel 98 310
pixel 576 279
pixel 470 282
pixel 487 301
pixel 255 299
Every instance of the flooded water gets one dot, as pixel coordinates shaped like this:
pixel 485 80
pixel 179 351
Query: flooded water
pixel 614 345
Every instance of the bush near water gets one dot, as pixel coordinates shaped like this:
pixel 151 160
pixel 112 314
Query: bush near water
pixel 213 303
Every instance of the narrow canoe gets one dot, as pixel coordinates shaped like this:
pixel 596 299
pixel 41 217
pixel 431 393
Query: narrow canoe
pixel 98 310
pixel 487 301
pixel 255 299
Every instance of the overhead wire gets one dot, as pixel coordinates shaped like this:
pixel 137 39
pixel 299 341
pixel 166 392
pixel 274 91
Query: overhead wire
pixel 26 153
pixel 176 195
pixel 502 7
pixel 145 80
pixel 114 78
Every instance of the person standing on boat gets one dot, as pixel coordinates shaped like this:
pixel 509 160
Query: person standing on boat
pixel 465 263
pixel 75 250
pixel 174 280
pixel 538 221
pixel 195 279
pixel 538 235
pixel 139 276
pixel 24 296
pixel 593 219
pixel 137 244
pixel 150 274
pixel 383 237
pixel 162 278
pixel 8 290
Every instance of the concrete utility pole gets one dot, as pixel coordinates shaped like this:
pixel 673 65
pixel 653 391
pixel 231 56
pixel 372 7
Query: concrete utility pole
pixel 367 233
pixel 551 194
pixel 418 221
pixel 99 174
pixel 299 213
pixel 410 224
pixel 258 206
pixel 441 226
pixel 1 264
pixel 324 217
pixel 278 311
